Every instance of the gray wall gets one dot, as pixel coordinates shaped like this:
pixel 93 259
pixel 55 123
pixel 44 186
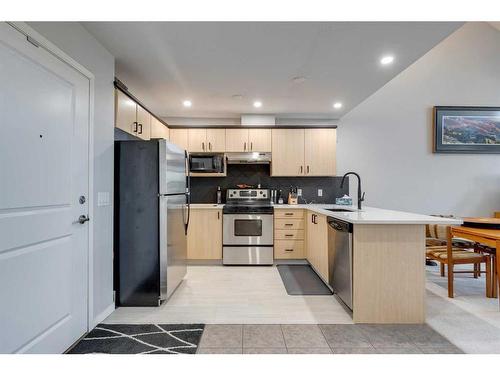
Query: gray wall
pixel 388 137
pixel 74 40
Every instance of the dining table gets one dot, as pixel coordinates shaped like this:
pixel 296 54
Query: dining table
pixel 490 239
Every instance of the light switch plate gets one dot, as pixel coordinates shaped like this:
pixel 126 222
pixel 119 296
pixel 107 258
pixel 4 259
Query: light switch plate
pixel 103 198
pixel 320 192
pixel 299 192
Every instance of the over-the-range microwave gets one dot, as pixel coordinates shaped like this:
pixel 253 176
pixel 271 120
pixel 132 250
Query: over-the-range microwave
pixel 206 163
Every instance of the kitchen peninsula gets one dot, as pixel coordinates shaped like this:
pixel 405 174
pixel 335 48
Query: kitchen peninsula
pixel 388 253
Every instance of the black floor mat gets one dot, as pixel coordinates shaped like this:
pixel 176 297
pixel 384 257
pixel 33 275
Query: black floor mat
pixel 302 280
pixel 141 339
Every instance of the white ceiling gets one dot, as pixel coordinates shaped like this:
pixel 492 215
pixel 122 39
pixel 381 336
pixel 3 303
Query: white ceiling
pixel 163 63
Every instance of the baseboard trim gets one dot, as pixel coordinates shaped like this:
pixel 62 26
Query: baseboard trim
pixel 103 315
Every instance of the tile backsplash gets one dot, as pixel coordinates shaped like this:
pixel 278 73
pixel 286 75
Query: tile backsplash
pixel 204 189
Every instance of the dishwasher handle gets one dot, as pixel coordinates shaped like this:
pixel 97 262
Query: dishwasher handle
pixel 339 225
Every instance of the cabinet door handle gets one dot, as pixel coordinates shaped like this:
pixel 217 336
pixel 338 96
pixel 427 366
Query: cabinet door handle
pixel 218 215
pixel 288 235
pixel 288 249
pixel 244 146
pixel 203 146
pixel 314 221
pixel 210 146
pixel 288 213
pixel 288 225
pixel 301 169
pixel 135 126
pixel 140 128
pixel 307 169
pixel 251 146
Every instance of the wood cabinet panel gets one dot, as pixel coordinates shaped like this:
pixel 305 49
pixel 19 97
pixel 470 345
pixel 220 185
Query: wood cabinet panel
pixel 125 113
pixel 288 152
pixel 237 140
pixel 216 140
pixel 288 223
pixel 179 137
pixel 158 130
pixel 289 234
pixel 289 249
pixel 143 123
pixel 287 214
pixel 259 140
pixel 197 140
pixel 204 240
pixel 320 152
pixel 317 244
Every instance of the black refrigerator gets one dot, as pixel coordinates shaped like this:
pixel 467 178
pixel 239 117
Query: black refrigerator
pixel 151 221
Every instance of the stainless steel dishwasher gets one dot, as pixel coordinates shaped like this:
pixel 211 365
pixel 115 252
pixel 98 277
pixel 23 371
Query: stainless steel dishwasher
pixel 340 247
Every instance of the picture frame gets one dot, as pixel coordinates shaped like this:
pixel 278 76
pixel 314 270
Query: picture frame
pixel 467 130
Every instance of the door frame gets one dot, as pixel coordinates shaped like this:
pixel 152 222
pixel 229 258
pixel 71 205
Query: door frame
pixel 42 42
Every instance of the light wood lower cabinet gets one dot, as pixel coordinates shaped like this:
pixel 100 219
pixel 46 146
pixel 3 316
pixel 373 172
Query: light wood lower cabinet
pixel 204 240
pixel 289 234
pixel 317 244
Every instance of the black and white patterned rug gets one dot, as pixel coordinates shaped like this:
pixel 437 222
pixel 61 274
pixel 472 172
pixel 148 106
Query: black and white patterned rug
pixel 141 339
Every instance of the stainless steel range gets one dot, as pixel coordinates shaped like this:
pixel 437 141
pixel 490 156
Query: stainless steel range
pixel 248 227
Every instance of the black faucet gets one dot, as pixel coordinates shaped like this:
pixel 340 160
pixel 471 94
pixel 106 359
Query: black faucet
pixel 361 198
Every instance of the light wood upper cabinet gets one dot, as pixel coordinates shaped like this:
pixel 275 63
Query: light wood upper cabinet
pixel 131 117
pixel 259 140
pixel 287 152
pixel 158 129
pixel 204 239
pixel 125 113
pixel 320 151
pixel 206 140
pixel 197 140
pixel 237 140
pixel 216 140
pixel 317 244
pixel 179 137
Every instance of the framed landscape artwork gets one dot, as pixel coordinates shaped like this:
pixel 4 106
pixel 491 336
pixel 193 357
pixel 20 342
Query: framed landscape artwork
pixel 467 129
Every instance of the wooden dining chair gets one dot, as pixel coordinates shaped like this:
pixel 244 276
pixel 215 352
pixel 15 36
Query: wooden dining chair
pixel 452 258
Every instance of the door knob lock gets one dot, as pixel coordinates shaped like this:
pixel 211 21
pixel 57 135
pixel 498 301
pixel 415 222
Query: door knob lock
pixel 82 219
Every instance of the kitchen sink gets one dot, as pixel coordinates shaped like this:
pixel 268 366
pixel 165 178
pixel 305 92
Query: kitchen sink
pixel 338 210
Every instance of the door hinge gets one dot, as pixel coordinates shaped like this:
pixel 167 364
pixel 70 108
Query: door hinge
pixel 32 41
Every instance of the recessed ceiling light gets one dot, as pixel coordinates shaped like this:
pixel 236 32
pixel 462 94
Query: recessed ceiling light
pixel 299 79
pixel 257 104
pixel 337 105
pixel 386 60
pixel 187 103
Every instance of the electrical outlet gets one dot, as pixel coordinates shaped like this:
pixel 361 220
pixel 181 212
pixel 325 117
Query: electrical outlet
pixel 320 192
pixel 299 192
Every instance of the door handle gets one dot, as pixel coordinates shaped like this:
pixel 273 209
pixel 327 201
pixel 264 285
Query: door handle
pixel 82 219
pixel 251 146
pixel 307 169
pixel 301 169
pixel 210 146
pixel 203 146
pixel 140 128
pixel 244 146
pixel 135 126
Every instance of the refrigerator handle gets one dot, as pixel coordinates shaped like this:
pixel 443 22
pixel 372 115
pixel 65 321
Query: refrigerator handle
pixel 188 192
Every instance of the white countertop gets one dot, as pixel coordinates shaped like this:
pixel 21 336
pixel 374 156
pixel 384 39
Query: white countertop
pixel 368 215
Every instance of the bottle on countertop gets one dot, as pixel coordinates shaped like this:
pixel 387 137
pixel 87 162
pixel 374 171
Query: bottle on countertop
pixel 219 195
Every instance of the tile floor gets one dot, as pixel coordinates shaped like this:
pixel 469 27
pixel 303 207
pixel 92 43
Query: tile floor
pixel 323 339
pixel 236 295
pixel 256 295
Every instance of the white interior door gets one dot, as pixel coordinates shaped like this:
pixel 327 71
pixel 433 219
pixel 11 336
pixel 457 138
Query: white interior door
pixel 44 142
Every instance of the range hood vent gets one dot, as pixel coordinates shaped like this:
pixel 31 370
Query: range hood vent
pixel 248 157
